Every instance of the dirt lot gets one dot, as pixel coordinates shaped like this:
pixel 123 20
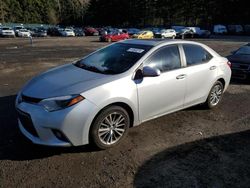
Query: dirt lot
pixel 191 148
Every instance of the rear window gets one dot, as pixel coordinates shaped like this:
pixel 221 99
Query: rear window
pixel 196 54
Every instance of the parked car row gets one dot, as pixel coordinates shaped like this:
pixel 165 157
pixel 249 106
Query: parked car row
pixel 115 34
pixel 232 29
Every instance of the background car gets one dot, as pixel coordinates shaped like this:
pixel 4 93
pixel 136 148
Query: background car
pixel 79 32
pixel 23 33
pixel 7 32
pixel 67 32
pixel 90 31
pixel 144 35
pixel 17 28
pixel 168 33
pixel 199 33
pixel 185 33
pixel 39 32
pixel 220 29
pixel 54 31
pixel 240 60
pixel 235 29
pixel 247 29
pixel 133 31
pixel 114 36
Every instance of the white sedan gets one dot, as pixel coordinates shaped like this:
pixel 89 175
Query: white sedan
pixel 23 33
pixel 68 33
pixel 7 32
pixel 99 97
pixel 168 33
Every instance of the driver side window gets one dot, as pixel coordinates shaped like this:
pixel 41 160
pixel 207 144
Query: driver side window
pixel 165 59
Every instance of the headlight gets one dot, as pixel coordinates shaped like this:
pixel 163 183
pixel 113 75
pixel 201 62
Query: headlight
pixel 58 103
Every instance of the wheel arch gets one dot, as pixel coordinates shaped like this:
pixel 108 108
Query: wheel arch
pixel 222 80
pixel 124 105
pixel 120 104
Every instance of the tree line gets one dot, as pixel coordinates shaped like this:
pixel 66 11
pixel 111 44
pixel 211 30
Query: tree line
pixel 136 13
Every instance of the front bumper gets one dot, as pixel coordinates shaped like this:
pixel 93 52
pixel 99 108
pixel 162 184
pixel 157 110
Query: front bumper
pixel 73 123
pixel 8 34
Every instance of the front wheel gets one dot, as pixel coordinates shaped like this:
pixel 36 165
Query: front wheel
pixel 215 95
pixel 110 127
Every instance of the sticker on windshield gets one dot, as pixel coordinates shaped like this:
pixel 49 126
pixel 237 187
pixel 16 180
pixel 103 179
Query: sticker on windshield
pixel 135 50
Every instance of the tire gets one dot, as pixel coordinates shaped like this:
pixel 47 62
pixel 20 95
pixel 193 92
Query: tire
pixel 105 134
pixel 215 95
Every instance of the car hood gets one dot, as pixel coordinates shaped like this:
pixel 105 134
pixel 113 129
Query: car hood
pixel 239 58
pixel 64 80
pixel 7 30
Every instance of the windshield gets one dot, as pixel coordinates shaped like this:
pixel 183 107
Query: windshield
pixel 142 32
pixel 113 59
pixel 19 27
pixel 6 28
pixel 244 50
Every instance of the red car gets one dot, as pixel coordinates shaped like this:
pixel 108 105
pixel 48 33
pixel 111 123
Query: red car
pixel 90 31
pixel 114 36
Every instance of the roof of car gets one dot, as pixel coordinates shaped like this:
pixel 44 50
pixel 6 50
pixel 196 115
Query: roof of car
pixel 157 42
pixel 149 42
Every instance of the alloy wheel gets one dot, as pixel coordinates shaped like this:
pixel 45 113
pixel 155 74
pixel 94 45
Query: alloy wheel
pixel 112 128
pixel 216 94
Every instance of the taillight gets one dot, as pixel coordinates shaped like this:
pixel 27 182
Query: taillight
pixel 229 64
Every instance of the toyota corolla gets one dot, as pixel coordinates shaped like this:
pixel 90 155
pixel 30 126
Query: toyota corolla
pixel 98 98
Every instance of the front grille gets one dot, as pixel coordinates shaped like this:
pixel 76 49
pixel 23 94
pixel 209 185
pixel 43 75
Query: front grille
pixel 27 123
pixel 30 99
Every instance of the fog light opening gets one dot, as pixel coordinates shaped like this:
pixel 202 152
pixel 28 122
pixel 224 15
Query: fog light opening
pixel 59 135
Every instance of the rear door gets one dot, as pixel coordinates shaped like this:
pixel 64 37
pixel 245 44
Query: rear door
pixel 201 70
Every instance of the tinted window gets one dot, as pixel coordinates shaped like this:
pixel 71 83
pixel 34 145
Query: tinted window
pixel 245 50
pixel 113 59
pixel 165 59
pixel 196 54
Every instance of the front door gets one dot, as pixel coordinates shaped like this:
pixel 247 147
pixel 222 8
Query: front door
pixel 165 93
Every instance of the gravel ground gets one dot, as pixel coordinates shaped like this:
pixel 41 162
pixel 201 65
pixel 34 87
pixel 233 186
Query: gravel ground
pixel 190 148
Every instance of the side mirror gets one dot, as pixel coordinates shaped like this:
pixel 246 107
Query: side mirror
pixel 151 72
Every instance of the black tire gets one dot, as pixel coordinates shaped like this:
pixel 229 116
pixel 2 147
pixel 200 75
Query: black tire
pixel 98 140
pixel 209 103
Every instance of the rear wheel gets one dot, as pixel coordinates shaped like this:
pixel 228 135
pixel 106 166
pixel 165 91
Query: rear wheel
pixel 110 127
pixel 215 95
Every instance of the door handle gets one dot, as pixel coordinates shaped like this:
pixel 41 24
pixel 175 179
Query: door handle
pixel 212 68
pixel 180 77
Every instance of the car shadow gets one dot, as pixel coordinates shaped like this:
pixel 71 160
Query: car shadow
pixel 222 161
pixel 14 146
